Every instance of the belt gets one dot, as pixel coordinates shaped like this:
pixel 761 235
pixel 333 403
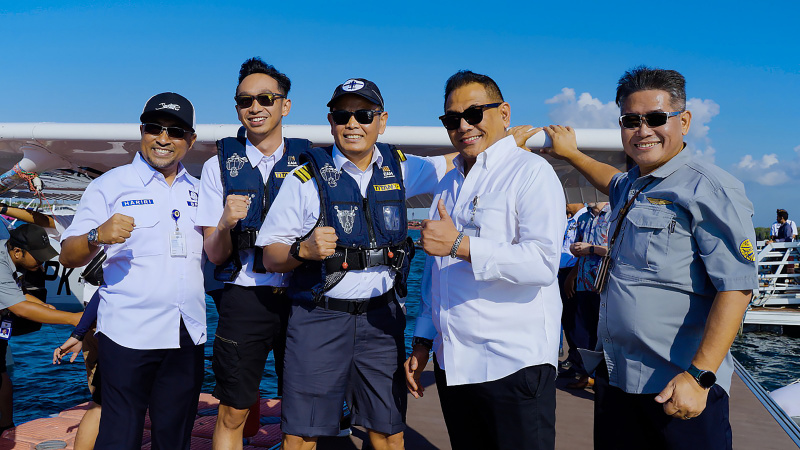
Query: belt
pixel 356 307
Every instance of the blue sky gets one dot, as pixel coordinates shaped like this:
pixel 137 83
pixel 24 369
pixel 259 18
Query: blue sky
pixel 99 61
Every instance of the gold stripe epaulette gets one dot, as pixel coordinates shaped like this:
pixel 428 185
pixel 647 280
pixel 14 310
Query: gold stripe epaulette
pixel 303 173
pixel 401 155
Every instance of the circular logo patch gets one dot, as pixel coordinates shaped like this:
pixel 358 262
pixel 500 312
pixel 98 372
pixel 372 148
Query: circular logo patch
pixel 746 249
pixel 352 85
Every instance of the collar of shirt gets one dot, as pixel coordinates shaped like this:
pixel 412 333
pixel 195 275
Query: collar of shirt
pixel 341 161
pixel 488 157
pixel 255 156
pixel 673 164
pixel 147 173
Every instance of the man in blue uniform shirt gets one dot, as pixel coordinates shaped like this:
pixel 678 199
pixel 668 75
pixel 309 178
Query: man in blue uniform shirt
pixel 151 321
pixel 682 274
pixel 342 214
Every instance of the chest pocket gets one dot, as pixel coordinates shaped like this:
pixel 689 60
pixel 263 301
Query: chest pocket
pixel 147 238
pixel 645 242
pixel 491 215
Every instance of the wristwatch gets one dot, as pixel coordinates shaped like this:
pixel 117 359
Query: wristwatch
pixel 92 237
pixel 591 249
pixel 427 343
pixel 705 378
pixel 294 251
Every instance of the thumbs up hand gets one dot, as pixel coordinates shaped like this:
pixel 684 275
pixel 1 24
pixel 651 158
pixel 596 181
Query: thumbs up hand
pixel 438 236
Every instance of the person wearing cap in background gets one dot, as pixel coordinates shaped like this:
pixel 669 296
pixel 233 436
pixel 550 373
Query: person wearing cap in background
pixel 151 320
pixel 346 205
pixel 22 250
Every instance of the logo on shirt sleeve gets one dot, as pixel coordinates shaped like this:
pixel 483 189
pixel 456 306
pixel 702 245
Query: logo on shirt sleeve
pixel 746 249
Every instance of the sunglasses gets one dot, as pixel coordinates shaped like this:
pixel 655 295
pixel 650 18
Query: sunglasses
pixel 473 115
pixel 653 119
pixel 173 132
pixel 363 116
pixel 265 99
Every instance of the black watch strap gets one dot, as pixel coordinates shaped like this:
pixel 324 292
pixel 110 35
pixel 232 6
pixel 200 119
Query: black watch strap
pixel 294 251
pixel 705 378
pixel 427 343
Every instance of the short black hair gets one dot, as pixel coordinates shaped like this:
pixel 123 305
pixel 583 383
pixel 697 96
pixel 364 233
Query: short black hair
pixel 783 214
pixel 644 78
pixel 465 77
pixel 257 65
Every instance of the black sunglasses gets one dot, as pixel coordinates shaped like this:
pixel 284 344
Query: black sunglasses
pixel 265 99
pixel 653 119
pixel 363 116
pixel 473 115
pixel 173 132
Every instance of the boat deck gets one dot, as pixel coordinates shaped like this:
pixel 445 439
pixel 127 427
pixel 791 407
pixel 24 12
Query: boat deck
pixel 753 427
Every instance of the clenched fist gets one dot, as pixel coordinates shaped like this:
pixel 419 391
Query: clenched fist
pixel 320 245
pixel 236 207
pixel 116 230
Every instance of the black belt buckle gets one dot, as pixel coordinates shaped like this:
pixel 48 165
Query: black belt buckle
pixel 375 257
pixel 399 257
pixel 357 308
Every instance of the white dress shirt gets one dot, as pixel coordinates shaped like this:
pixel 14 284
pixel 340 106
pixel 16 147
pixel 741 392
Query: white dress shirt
pixel 211 205
pixel 147 291
pixel 296 209
pixel 502 312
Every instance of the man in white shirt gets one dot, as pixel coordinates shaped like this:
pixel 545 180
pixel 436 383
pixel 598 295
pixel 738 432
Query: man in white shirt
pixel 238 186
pixel 496 233
pixel 342 215
pixel 151 321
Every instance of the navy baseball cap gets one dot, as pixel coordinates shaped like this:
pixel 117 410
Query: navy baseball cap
pixel 169 104
pixel 358 86
pixel 33 239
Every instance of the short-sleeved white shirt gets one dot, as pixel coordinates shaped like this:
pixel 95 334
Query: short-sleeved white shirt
pixel 147 290
pixel 296 209
pixel 211 205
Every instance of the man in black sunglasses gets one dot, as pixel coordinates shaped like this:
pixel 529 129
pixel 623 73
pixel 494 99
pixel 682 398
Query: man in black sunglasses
pixel 682 274
pixel 339 222
pixel 239 185
pixel 493 312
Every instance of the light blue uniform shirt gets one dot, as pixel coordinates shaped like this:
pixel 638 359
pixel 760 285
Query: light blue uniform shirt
pixel 147 290
pixel 688 235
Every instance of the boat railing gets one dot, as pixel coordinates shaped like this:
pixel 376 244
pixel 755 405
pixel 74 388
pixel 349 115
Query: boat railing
pixel 788 425
pixel 778 282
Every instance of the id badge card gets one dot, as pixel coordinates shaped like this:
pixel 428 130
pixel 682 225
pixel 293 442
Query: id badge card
pixel 471 229
pixel 5 329
pixel 177 244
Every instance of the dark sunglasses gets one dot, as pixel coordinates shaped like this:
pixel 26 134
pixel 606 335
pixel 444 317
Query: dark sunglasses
pixel 173 132
pixel 473 115
pixel 653 119
pixel 265 99
pixel 363 116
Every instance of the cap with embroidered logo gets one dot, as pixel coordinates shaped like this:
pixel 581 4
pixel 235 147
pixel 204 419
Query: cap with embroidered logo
pixel 33 239
pixel 358 86
pixel 169 104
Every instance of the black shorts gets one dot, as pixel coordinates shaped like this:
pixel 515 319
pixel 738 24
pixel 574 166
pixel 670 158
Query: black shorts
pixel 252 322
pixel 3 351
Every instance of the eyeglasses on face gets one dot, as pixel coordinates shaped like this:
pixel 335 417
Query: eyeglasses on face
pixel 173 132
pixel 363 116
pixel 265 99
pixel 653 119
pixel 473 115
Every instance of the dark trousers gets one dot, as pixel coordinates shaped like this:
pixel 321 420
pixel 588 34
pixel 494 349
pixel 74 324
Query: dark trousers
pixel 514 412
pixel 166 380
pixel 579 318
pixel 569 315
pixel 636 421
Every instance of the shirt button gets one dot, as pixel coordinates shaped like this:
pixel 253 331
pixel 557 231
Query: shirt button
pixel 605 340
pixel 602 305
pixel 446 338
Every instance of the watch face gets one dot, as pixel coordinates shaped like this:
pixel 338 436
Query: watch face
pixel 707 379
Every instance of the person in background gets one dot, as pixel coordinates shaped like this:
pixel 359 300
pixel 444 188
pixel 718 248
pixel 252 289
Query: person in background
pixel 569 311
pixel 784 230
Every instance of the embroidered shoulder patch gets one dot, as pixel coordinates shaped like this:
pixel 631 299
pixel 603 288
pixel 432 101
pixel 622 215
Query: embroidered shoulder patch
pixel 303 173
pixel 746 249
pixel 658 201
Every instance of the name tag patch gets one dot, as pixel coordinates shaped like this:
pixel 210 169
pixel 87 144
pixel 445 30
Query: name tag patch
pixel 192 204
pixel 387 187
pixel 146 201
pixel 281 174
pixel 746 249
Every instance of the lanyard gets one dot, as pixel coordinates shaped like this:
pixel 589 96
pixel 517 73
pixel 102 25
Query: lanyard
pixel 624 212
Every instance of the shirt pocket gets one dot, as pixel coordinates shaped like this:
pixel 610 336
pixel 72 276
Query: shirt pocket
pixel 645 242
pixel 491 216
pixel 147 239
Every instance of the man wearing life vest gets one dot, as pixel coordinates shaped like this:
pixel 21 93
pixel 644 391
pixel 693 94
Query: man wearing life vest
pixel 238 186
pixel 340 223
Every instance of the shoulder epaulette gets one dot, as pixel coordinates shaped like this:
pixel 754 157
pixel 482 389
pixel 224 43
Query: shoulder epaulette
pixel 303 173
pixel 400 155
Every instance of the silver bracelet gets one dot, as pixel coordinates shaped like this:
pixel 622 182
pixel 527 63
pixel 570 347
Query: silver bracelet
pixel 456 244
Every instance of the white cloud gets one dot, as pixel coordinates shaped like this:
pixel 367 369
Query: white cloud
pixel 768 170
pixel 583 111
pixel 697 139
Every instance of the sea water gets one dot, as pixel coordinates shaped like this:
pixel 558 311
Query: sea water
pixel 42 389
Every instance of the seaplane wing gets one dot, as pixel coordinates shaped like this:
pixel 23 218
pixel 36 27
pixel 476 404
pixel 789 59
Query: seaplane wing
pixel 66 156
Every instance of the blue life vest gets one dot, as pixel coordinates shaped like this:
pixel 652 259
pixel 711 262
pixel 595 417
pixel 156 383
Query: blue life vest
pixel 241 178
pixel 372 230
